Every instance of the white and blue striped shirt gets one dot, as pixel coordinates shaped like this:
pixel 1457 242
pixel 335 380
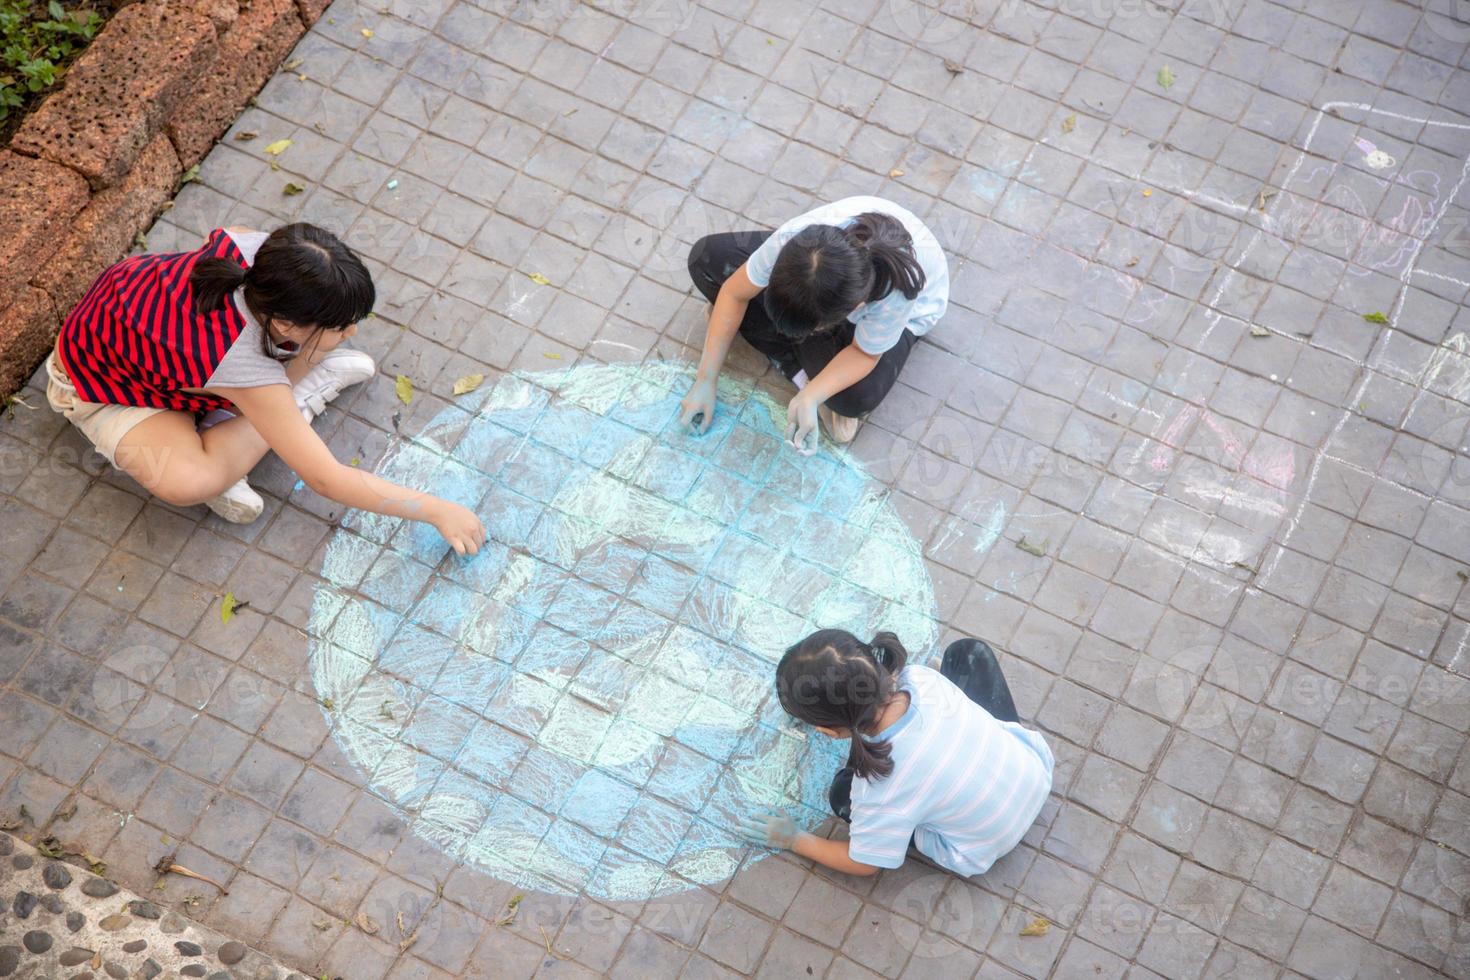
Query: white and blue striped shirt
pixel 880 323
pixel 966 786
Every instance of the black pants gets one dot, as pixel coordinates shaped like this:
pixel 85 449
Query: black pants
pixel 715 258
pixel 971 665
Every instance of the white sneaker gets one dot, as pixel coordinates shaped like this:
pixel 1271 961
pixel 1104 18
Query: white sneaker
pixel 336 370
pixel 240 504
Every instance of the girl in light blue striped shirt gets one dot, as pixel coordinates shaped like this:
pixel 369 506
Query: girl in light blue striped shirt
pixel 938 758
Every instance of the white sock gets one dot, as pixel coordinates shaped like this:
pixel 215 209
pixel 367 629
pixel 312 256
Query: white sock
pixel 800 380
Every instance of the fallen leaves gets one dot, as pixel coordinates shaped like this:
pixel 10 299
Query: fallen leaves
pixel 409 939
pixel 367 32
pixel 168 865
pixel 1036 927
pixel 468 383
pixel 292 189
pixel 1039 550
pixel 190 175
pixel 954 67
pixel 895 173
pixel 245 136
pixel 1259 331
pixel 1166 77
pixel 1070 123
pixel 366 924
pixel 512 907
pixel 10 401
pixel 1377 316
pixel 551 950
pixel 274 150
pixel 229 606
pixel 403 388
pixel 538 279
pixel 140 241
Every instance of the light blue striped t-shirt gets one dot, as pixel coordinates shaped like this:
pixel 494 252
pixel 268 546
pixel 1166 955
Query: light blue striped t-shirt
pixel 879 324
pixel 965 786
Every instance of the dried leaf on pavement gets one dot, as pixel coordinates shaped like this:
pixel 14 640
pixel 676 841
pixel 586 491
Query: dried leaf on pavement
pixel 468 383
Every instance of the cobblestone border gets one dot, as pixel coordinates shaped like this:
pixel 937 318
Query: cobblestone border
pixel 57 920
pixel 98 160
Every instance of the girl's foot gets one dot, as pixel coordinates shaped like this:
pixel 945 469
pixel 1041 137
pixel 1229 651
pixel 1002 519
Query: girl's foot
pixel 240 504
pixel 839 428
pixel 336 370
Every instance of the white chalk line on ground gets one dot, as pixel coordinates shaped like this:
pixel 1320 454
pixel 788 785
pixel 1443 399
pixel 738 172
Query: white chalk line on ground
pixel 1435 364
pixel 1268 223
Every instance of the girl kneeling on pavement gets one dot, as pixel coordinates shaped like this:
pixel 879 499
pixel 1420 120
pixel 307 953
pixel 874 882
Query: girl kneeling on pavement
pixel 185 369
pixel 938 758
pixel 845 291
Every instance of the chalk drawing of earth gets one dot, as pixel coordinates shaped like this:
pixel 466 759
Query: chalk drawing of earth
pixel 588 705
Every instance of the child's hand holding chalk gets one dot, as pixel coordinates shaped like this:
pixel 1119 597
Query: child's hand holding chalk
pixel 697 410
pixel 801 423
pixel 770 830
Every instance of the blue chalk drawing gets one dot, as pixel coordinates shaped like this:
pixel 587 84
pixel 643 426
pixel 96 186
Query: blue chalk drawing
pixel 588 705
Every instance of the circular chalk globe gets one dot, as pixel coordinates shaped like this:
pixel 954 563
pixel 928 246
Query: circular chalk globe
pixel 588 705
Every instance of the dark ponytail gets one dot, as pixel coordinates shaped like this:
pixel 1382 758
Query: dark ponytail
pixel 890 249
pixel 835 680
pixel 214 279
pixel 824 272
pixel 890 652
pixel 302 274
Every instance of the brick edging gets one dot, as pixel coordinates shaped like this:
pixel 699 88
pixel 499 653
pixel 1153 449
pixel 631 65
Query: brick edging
pixel 99 158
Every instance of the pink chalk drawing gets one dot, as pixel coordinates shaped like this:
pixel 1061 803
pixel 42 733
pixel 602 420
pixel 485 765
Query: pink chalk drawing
pixel 1272 465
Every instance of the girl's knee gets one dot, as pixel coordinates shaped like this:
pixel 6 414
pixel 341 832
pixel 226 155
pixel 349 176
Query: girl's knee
pixel 855 402
pixel 702 267
pixel 186 489
pixel 969 651
pixel 170 480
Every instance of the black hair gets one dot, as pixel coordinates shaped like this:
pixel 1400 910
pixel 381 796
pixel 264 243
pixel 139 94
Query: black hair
pixel 835 680
pixel 824 272
pixel 302 273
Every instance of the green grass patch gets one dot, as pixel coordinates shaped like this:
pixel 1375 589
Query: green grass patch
pixel 37 40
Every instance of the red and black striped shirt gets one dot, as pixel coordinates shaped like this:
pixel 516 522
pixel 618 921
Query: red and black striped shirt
pixel 135 339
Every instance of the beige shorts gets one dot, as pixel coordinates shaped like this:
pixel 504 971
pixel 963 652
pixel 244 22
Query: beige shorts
pixel 103 425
